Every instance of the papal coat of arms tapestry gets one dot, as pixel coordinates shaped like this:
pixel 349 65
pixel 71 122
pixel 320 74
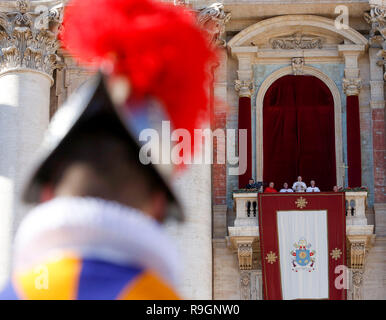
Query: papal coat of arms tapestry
pixel 301 232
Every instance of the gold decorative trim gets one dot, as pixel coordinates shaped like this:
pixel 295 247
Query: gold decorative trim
pixel 336 253
pixel 271 257
pixel 301 202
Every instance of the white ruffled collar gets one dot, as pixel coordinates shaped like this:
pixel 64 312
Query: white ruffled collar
pixel 95 228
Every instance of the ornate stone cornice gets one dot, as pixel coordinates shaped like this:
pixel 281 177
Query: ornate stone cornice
pixel 28 38
pixel 298 66
pixel 244 88
pixel 213 19
pixel 297 41
pixel 352 87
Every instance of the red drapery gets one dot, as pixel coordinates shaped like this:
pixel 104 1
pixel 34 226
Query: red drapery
pixel 299 132
pixel 245 123
pixel 353 143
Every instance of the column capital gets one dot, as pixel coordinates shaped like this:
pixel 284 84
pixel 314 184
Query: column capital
pixel 245 56
pixel 352 86
pixel 244 88
pixel 28 36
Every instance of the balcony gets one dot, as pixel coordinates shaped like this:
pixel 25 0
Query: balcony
pixel 243 237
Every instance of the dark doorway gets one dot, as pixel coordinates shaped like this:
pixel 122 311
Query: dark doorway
pixel 299 132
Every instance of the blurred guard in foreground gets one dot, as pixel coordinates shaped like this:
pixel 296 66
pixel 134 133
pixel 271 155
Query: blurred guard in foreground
pixel 96 232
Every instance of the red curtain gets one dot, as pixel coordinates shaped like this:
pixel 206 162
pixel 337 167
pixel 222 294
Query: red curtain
pixel 353 143
pixel 299 132
pixel 245 123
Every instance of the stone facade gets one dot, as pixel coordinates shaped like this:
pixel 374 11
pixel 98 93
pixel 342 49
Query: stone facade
pixel 259 41
pixel 268 39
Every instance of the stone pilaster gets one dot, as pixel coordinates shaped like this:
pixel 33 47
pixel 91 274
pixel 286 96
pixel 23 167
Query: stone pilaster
pixel 244 88
pixel 352 82
pixel 377 53
pixel 213 20
pixel 251 285
pixel 245 57
pixel 246 245
pixel 28 45
pixel 356 256
pixel 358 247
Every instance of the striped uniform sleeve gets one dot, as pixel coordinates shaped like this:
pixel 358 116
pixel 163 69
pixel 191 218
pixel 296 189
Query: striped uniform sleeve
pixel 148 286
pixel 72 278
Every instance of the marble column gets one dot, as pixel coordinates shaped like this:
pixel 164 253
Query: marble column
pixel 194 236
pixel 28 57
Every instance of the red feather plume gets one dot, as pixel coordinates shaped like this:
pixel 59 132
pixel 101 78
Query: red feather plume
pixel 158 46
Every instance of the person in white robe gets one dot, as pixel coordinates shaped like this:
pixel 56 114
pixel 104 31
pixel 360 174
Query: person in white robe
pixel 299 186
pixel 285 188
pixel 313 187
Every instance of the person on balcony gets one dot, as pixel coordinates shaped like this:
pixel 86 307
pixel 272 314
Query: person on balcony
pixel 313 187
pixel 285 188
pixel 299 186
pixel 251 184
pixel 270 188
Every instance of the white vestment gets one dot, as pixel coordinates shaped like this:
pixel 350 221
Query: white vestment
pixel 313 189
pixel 286 190
pixel 299 186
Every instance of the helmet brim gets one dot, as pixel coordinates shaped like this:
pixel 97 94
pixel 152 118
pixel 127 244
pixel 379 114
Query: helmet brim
pixel 91 99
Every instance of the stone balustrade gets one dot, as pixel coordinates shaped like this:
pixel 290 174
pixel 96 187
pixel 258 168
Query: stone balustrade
pixel 246 207
pixel 243 237
pixel 245 204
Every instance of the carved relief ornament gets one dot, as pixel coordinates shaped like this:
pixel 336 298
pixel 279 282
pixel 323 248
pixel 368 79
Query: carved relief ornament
pixel 213 19
pixel 245 256
pixel 298 66
pixel 297 41
pixel 377 20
